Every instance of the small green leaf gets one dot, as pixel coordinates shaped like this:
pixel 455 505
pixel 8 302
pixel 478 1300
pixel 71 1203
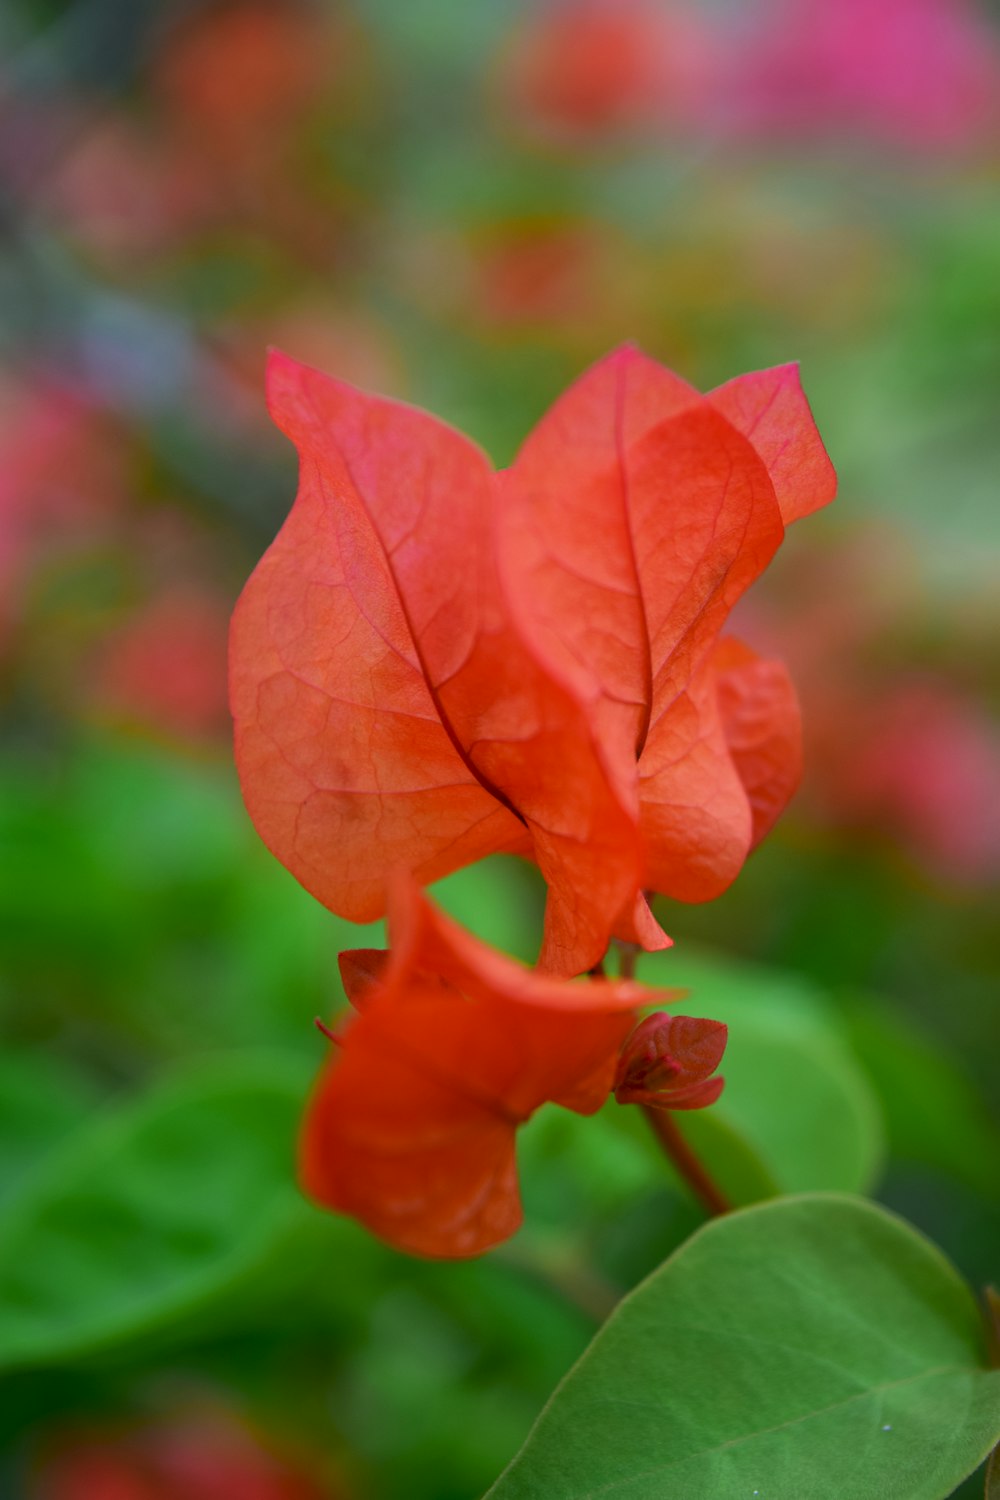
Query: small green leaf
pixel 797 1113
pixel 814 1346
pixel 151 1212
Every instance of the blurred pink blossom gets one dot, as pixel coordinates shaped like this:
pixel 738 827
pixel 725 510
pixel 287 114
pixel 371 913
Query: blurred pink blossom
pixel 192 1456
pixel 164 668
pixel 911 753
pixel 61 480
pixel 928 769
pixel 925 73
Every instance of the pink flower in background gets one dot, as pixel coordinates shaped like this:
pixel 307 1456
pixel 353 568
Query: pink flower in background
pixel 929 771
pixel 164 668
pixel 912 757
pixel 922 72
pixel 111 192
pixel 61 481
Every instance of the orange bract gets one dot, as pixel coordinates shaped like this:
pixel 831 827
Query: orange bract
pixel 411 1127
pixel 434 662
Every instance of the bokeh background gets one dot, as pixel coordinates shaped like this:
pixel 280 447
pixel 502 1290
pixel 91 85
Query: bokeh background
pixel 460 205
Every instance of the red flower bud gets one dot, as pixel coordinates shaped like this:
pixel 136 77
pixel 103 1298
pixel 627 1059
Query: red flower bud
pixel 667 1062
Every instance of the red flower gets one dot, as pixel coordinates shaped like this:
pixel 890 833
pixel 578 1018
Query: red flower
pixel 586 68
pixel 411 1128
pixel 435 662
pixel 196 1454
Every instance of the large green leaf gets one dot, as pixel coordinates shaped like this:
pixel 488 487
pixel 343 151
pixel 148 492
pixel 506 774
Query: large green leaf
pixel 815 1346
pixel 797 1113
pixel 152 1212
pixel 42 1099
pixel 499 899
pixel 178 930
pixel 958 1136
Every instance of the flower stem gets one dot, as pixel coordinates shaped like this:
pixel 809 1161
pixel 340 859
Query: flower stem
pixel 679 1151
pixel 628 953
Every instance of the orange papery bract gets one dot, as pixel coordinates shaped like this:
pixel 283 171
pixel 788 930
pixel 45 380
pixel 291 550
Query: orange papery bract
pixel 637 514
pixel 760 720
pixel 435 662
pixel 411 1127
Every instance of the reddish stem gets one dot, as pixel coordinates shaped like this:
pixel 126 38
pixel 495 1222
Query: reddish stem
pixel 628 955
pixel 665 1128
pixel 679 1151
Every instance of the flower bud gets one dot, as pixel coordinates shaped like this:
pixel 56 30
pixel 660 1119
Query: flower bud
pixel 667 1062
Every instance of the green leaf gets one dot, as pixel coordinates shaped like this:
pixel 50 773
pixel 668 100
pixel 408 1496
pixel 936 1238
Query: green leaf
pixel 598 1198
pixel 799 1103
pixel 797 1113
pixel 499 899
pixel 909 1068
pixel 41 1100
pixel 993 1476
pixel 156 1210
pixel 815 1346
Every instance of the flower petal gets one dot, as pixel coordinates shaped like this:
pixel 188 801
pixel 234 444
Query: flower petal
pixel 411 1127
pixel 346 766
pixel 695 817
pixel 568 542
pixel 770 408
pixel 722 530
pixel 763 729
pixel 695 1096
pixel 705 524
pixel 378 656
pixel 362 971
pixel 423 1165
pixel 633 519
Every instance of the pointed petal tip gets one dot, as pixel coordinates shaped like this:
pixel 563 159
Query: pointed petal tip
pixel 659 997
pixel 770 408
pixel 698 1096
pixel 362 970
pixel 279 365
